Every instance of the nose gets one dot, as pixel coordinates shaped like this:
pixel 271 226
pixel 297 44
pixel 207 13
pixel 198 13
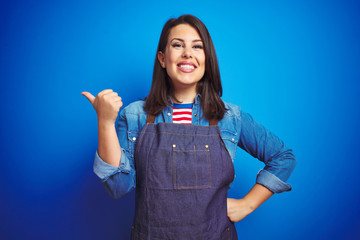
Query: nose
pixel 187 53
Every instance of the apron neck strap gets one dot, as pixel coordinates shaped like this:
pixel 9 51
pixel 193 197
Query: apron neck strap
pixel 213 122
pixel 151 119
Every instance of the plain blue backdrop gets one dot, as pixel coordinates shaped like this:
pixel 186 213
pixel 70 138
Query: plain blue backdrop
pixel 293 65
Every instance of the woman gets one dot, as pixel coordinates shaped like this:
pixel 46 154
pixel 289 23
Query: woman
pixel 182 140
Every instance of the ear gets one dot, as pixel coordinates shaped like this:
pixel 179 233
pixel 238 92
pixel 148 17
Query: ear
pixel 161 58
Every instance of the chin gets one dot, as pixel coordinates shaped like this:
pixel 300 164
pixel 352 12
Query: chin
pixel 187 83
pixel 189 80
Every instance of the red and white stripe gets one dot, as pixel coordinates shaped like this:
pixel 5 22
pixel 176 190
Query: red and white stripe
pixel 182 115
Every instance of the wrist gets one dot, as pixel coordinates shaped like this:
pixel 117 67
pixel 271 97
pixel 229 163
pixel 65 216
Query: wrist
pixel 105 124
pixel 249 204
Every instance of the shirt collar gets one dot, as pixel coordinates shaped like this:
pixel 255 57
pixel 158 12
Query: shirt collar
pixel 197 99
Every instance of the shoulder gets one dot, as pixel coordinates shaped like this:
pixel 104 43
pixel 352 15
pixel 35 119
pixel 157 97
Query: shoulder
pixel 134 108
pixel 235 112
pixel 231 122
pixel 132 117
pixel 232 110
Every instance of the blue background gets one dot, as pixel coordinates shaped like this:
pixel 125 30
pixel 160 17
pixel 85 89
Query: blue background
pixel 293 65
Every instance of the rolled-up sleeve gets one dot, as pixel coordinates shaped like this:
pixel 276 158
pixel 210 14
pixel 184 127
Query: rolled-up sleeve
pixel 118 181
pixel 272 182
pixel 262 144
pixel 104 170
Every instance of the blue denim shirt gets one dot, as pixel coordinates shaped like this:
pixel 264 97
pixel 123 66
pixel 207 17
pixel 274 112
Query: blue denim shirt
pixel 237 129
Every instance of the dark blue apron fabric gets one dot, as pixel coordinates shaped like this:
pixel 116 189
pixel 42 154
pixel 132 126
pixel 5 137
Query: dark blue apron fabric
pixel 183 173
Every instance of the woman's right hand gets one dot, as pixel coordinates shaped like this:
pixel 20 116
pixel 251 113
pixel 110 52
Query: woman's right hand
pixel 107 105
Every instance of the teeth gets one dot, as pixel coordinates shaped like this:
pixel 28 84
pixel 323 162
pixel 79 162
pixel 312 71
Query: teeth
pixel 187 66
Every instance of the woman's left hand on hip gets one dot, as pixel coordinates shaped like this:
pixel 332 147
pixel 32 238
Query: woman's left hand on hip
pixel 237 209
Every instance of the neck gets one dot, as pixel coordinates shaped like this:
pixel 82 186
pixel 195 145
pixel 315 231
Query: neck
pixel 185 95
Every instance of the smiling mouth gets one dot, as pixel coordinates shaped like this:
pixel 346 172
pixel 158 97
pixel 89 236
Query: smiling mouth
pixel 186 67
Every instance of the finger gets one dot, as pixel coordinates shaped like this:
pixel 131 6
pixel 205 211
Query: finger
pixel 105 91
pixel 89 96
pixel 111 97
pixel 117 99
pixel 118 104
pixel 110 94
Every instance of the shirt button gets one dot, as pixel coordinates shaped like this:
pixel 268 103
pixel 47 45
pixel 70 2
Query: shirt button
pixel 195 115
pixel 169 114
pixel 134 138
pixel 233 140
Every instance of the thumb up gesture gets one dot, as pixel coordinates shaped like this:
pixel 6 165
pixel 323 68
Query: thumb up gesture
pixel 107 105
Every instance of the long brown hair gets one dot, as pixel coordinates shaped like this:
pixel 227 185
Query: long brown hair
pixel 209 87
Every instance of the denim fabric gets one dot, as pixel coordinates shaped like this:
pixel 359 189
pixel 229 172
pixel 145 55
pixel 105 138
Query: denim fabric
pixel 183 177
pixel 237 129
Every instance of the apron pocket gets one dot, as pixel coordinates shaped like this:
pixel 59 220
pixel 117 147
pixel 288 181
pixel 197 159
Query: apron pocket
pixel 191 167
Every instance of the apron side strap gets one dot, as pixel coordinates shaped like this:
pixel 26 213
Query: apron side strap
pixel 213 122
pixel 150 118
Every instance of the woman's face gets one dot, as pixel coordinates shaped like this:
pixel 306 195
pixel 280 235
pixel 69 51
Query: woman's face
pixel 184 57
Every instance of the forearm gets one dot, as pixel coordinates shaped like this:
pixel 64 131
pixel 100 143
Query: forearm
pixel 240 208
pixel 108 144
pixel 257 196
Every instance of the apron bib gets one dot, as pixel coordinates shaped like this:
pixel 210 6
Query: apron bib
pixel 183 174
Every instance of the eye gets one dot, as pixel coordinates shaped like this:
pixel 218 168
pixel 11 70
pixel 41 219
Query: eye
pixel 176 45
pixel 198 47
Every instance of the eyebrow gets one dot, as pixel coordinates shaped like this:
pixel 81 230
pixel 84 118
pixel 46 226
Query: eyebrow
pixel 182 40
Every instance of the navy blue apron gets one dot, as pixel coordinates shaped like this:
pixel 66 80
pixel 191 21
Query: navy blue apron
pixel 183 173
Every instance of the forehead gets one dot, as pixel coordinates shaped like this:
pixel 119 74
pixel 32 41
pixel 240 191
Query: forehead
pixel 185 32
